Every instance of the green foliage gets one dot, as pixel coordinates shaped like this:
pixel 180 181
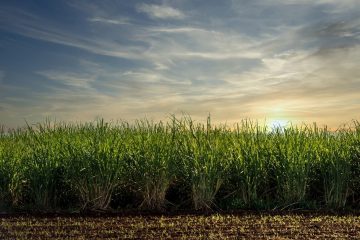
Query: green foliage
pixel 205 160
pixel 57 165
pixel 149 162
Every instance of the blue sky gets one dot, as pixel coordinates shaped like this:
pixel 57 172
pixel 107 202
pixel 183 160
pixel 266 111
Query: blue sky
pixel 277 60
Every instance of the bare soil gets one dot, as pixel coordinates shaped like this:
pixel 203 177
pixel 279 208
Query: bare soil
pixel 181 226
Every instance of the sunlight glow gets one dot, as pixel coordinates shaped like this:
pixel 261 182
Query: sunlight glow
pixel 278 123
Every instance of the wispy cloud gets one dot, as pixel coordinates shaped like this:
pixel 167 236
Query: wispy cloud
pixel 329 6
pixel 335 2
pixel 69 79
pixel 178 30
pixel 36 27
pixel 109 21
pixel 242 60
pixel 160 11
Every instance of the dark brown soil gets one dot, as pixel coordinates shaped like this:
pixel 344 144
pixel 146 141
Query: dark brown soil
pixel 182 226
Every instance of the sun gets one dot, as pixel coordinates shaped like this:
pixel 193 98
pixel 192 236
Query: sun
pixel 278 123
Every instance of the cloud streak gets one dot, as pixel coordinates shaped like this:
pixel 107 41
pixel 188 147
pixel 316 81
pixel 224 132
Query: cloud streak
pixel 109 21
pixel 69 79
pixel 160 11
pixel 36 27
pixel 257 60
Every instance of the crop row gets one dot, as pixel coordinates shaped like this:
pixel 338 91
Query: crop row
pixel 178 164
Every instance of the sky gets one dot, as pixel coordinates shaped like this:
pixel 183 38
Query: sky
pixel 275 60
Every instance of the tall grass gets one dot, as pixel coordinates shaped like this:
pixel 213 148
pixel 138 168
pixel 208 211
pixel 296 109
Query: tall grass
pixel 292 157
pixel 150 154
pixel 205 161
pixel 53 166
pixel 250 152
pixel 93 158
